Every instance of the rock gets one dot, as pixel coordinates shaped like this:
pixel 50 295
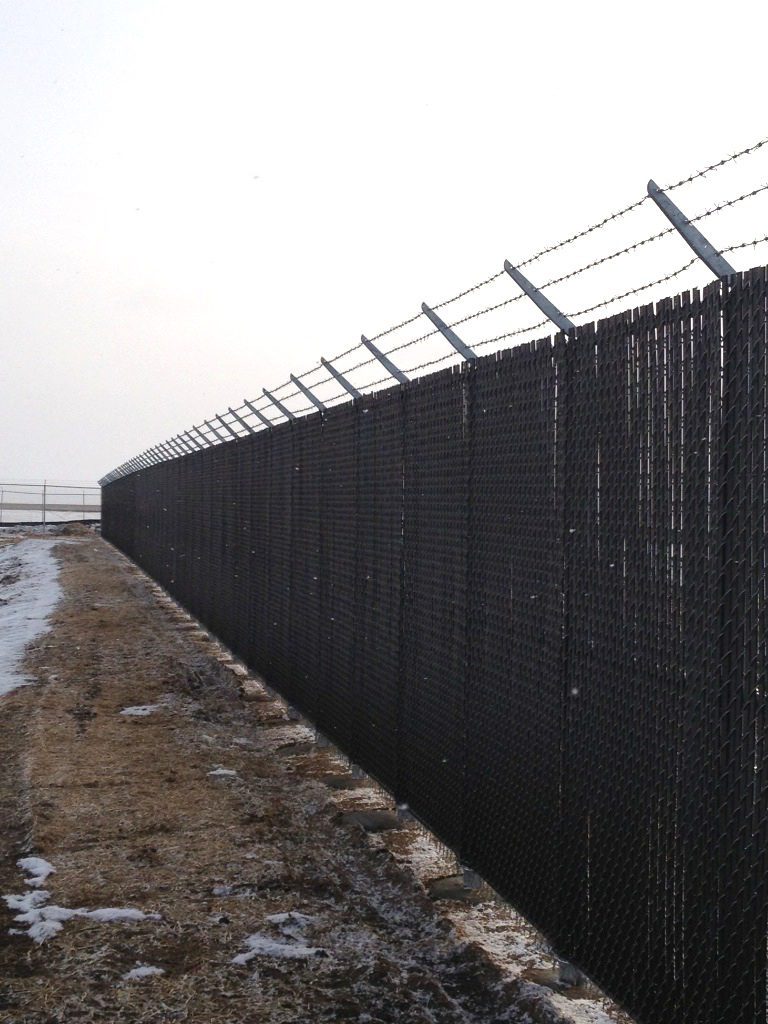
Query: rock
pixel 371 821
pixel 252 691
pixel 452 888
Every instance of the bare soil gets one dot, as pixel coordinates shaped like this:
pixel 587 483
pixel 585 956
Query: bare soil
pixel 126 810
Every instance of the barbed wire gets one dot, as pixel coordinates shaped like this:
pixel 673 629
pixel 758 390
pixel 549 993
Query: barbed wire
pixel 391 330
pixel 745 245
pixel 717 165
pixel 473 288
pixel 636 291
pixel 612 256
pixel 512 334
pixel 263 403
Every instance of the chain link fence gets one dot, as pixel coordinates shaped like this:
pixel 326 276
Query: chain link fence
pixel 528 594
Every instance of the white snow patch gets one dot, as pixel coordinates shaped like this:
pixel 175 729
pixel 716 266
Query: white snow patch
pixel 141 710
pixel 143 971
pixel 37 869
pixel 41 931
pixel 223 772
pixel 262 945
pixel 108 914
pixel 292 925
pixel 28 901
pixel 29 597
pixel 44 920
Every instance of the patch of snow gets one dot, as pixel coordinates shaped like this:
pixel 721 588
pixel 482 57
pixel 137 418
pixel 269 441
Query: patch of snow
pixel 292 926
pixel 141 710
pixel 44 920
pixel 47 914
pixel 41 931
pixel 143 971
pixel 28 901
pixel 107 914
pixel 37 868
pixel 223 890
pixel 262 945
pixel 227 772
pixel 29 597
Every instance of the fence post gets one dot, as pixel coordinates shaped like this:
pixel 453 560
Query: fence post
pixel 215 431
pixel 256 412
pixel 191 441
pixel 550 311
pixel 349 388
pixel 227 426
pixel 308 394
pixel 385 361
pixel 240 420
pixel 279 405
pixel 703 248
pixel 448 332
pixel 201 435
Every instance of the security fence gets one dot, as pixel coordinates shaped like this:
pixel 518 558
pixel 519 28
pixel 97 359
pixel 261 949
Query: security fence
pixel 528 594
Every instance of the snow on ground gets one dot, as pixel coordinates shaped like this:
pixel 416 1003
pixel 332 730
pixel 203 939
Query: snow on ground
pixel 29 591
pixel 263 945
pixel 37 869
pixel 143 971
pixel 45 920
pixel 291 926
pixel 141 710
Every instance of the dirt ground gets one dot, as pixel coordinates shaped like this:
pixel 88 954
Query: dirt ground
pixel 127 811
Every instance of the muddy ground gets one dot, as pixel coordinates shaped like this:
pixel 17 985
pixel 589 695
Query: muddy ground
pixel 127 811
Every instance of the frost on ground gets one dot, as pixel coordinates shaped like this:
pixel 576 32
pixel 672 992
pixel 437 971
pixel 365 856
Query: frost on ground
pixel 143 971
pixel 263 945
pixel 141 710
pixel 323 921
pixel 29 591
pixel 292 926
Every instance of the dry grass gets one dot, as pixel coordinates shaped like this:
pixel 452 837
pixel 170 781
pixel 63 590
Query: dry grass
pixel 126 811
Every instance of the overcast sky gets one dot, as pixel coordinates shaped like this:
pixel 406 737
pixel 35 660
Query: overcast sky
pixel 200 198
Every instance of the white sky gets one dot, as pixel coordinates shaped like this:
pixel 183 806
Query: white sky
pixel 198 198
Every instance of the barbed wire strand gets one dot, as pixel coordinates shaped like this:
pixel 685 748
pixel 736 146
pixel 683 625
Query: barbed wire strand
pixel 717 165
pixel 612 256
pixel 745 245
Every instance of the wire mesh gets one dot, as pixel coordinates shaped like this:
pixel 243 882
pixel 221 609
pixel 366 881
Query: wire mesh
pixel 530 595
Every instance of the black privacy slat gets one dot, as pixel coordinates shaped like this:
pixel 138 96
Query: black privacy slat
pixel 529 596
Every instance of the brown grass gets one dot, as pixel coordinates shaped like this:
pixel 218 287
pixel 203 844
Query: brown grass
pixel 127 812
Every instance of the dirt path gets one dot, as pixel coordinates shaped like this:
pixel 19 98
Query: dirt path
pixel 126 810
